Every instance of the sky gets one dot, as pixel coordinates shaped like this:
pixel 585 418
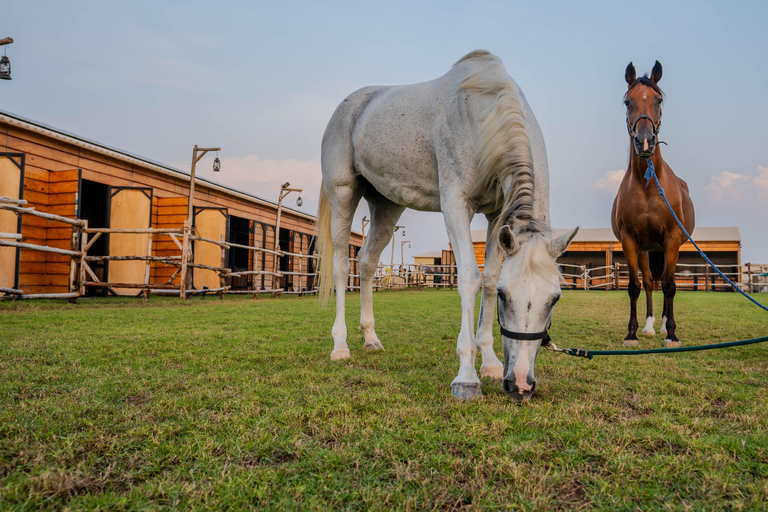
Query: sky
pixel 261 79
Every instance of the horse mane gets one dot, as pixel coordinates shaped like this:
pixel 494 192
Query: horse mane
pixel 504 148
pixel 646 81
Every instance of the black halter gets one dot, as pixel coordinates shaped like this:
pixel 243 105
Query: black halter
pixel 527 336
pixel 631 128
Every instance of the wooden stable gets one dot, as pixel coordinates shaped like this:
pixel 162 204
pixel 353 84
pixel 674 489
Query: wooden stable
pixel 66 175
pixel 596 252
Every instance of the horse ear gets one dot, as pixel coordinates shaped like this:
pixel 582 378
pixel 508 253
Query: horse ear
pixel 656 72
pixel 507 240
pixel 630 74
pixel 561 243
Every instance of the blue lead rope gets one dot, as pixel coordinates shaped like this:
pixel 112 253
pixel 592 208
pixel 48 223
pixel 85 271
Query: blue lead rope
pixel 650 172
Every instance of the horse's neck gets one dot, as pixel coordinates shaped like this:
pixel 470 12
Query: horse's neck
pixel 639 165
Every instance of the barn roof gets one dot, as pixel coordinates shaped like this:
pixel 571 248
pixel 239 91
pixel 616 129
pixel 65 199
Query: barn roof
pixel 429 255
pixel 700 234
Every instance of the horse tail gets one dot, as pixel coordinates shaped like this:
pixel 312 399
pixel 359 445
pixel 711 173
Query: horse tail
pixel 656 262
pixel 324 246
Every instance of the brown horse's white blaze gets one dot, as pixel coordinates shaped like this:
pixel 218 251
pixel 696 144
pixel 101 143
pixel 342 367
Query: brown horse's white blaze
pixel 641 220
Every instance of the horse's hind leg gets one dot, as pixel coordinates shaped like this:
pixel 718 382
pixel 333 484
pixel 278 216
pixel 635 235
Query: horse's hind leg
pixel 343 200
pixel 671 255
pixel 645 268
pixel 384 216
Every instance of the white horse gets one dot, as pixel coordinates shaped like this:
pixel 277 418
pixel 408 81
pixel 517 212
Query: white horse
pixel 462 144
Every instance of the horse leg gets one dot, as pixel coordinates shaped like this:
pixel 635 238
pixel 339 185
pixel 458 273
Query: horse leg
pixel 671 254
pixel 631 254
pixel 491 366
pixel 663 330
pixel 466 385
pixel 384 216
pixel 343 200
pixel 645 268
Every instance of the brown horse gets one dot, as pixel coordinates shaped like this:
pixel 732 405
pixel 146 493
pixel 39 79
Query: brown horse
pixel 640 218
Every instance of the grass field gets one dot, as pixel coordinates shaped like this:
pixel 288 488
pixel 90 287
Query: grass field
pixel 234 404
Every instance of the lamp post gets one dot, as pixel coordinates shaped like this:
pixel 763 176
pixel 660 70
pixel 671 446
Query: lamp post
pixel 284 191
pixel 5 64
pixel 197 154
pixel 402 262
pixel 392 258
pixel 366 221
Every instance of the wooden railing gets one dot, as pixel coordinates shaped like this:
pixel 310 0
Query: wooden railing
pixel 750 277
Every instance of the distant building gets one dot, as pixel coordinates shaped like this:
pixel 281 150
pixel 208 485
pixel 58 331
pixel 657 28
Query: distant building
pixel 597 247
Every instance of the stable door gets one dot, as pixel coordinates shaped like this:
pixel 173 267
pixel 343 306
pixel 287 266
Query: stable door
pixel 129 208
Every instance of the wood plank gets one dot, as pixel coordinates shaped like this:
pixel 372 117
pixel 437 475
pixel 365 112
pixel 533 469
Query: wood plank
pixel 63 210
pixel 60 176
pixel 35 198
pixel 32 184
pixel 37 222
pixel 68 198
pixel 35 173
pixel 64 187
pixel 30 256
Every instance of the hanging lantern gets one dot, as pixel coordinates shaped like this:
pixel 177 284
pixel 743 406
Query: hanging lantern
pixel 5 68
pixel 299 201
pixel 216 164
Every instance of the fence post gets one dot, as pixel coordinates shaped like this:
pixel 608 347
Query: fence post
pixel 73 245
pixel 584 276
pixel 706 278
pixel 147 270
pixel 749 278
pixel 184 262
pixel 83 244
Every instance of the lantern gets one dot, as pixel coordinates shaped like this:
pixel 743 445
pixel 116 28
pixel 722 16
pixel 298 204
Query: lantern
pixel 216 165
pixel 299 201
pixel 5 68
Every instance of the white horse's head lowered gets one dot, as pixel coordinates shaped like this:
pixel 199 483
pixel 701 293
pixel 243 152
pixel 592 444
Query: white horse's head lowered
pixel 528 288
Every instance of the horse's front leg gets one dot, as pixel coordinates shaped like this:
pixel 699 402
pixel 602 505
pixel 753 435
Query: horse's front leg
pixel 631 254
pixel 668 286
pixel 491 366
pixel 466 385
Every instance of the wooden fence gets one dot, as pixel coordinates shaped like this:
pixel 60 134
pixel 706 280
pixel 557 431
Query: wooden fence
pixel 750 277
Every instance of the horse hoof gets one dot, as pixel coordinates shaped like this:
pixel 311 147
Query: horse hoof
pixel 494 372
pixel 342 353
pixel 649 332
pixel 631 343
pixel 373 345
pixel 466 391
pixel 671 343
pixel 663 332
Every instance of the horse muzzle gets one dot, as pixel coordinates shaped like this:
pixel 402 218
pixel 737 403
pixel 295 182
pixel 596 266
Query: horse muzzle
pixel 518 393
pixel 646 147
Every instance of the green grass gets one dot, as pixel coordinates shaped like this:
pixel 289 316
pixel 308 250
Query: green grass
pixel 234 404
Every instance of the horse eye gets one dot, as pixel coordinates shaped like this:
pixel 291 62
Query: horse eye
pixel 626 103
